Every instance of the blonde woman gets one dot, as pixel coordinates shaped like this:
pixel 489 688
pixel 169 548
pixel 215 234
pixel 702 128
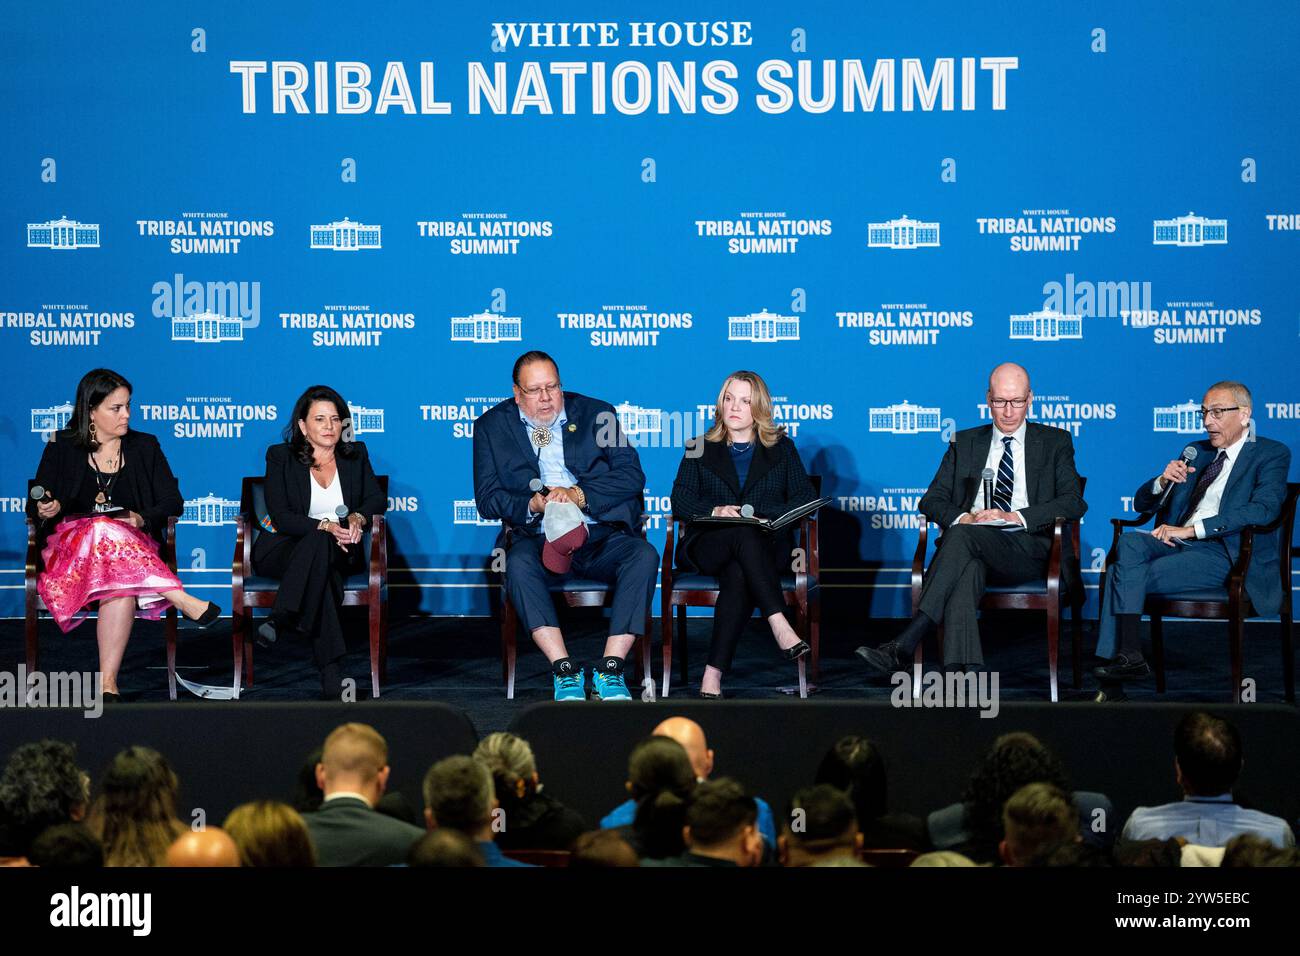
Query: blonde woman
pixel 746 460
pixel 270 834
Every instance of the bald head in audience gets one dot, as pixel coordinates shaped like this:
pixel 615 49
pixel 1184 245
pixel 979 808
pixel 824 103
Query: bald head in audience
pixel 691 736
pixel 355 760
pixel 210 846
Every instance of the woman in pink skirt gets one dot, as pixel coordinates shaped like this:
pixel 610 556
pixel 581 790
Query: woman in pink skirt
pixel 108 495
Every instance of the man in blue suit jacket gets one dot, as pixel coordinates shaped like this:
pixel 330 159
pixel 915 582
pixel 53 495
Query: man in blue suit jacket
pixel 1239 479
pixel 574 446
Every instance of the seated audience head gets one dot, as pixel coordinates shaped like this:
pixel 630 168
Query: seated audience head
pixel 1207 755
pixel 445 847
pixel 537 388
pixel 821 826
pixel 1249 850
pixel 1037 816
pixel 67 846
pixel 691 736
pixel 307 794
pixel 270 834
pixel 856 766
pixel 134 816
pixel 320 419
pixel 1148 853
pixel 458 795
pixel 513 767
pixel 722 823
pixel 41 786
pixel 943 858
pixel 211 846
pixel 354 760
pixel 602 848
pixel 1014 760
pixel 661 780
pixel 1074 853
pixel 744 402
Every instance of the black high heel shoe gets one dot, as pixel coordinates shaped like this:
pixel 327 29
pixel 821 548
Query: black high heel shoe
pixel 208 617
pixel 802 649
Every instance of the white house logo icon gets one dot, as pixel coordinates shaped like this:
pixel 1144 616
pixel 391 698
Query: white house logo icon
pixel 903 419
pixel 63 233
pixel 207 327
pixel 1046 325
pixel 210 511
pixel 635 420
pixel 52 419
pixel 763 326
pixel 486 328
pixel 366 420
pixel 465 511
pixel 345 236
pixel 1184 419
pixel 902 233
pixel 1190 230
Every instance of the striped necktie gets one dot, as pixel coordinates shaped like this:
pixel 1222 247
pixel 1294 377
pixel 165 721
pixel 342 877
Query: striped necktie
pixel 1006 477
pixel 1203 485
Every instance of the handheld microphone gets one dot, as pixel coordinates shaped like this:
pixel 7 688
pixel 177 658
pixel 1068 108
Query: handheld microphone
pixel 537 487
pixel 1188 456
pixel 342 512
pixel 987 476
pixel 747 511
pixel 39 493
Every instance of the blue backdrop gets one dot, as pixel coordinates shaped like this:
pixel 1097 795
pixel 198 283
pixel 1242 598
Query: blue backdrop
pixel 1106 195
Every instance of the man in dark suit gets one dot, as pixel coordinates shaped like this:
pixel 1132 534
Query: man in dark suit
pixel 347 830
pixel 1241 481
pixel 573 445
pixel 1006 541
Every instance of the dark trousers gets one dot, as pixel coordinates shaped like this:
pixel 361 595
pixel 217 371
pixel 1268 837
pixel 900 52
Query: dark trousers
pixel 746 562
pixel 1146 566
pixel 311 570
pixel 626 562
pixel 968 558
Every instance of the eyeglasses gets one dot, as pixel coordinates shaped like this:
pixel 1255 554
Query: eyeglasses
pixel 541 390
pixel 1214 414
pixel 1001 403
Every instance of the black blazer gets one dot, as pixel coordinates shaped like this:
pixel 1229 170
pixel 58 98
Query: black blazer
pixel 288 494
pixel 152 485
pixel 346 832
pixel 775 483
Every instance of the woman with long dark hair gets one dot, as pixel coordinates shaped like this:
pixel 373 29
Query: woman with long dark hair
pixel 320 494
pixel 108 492
pixel 135 814
pixel 746 459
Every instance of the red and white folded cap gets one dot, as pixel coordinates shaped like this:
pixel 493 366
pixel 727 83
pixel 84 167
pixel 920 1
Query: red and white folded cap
pixel 566 532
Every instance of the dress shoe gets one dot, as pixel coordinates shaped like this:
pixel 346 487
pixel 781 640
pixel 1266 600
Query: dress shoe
pixel 883 660
pixel 208 617
pixel 705 695
pixel 796 651
pixel 110 697
pixel 1113 694
pixel 1122 668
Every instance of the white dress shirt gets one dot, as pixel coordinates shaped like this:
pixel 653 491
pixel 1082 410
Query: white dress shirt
pixel 1209 503
pixel 324 501
pixel 550 458
pixel 1019 487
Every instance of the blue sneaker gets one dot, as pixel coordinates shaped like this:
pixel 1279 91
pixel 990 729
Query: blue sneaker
pixel 569 687
pixel 609 686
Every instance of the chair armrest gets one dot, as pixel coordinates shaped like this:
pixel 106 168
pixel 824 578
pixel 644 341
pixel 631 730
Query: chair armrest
pixel 378 552
pixel 170 543
pixel 33 555
pixel 239 561
pixel 1054 558
pixel 670 546
pixel 918 561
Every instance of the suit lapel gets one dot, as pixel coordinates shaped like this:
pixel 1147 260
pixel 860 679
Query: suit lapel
pixel 978 455
pixel 572 411
pixel 304 485
pixel 763 462
pixel 1245 458
pixel 717 458
pixel 1035 459
pixel 515 425
pixel 345 479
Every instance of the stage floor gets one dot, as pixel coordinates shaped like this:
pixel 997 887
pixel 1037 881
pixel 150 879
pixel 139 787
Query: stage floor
pixel 457 661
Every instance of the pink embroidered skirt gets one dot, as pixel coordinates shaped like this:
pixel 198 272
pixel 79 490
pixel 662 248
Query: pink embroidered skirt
pixel 97 559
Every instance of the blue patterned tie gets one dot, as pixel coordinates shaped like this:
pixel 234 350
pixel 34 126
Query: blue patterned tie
pixel 1006 477
pixel 1203 485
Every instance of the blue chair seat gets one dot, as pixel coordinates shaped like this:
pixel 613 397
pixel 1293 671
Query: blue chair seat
pixel 1029 587
pixel 1208 594
pixel 577 584
pixel 706 582
pixel 355 582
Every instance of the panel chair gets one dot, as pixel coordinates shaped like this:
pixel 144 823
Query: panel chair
pixel 800 590
pixel 34 604
pixel 574 592
pixel 249 590
pixel 1229 603
pixel 1046 595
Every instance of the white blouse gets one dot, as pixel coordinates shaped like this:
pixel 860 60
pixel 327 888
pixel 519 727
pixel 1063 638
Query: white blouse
pixel 325 500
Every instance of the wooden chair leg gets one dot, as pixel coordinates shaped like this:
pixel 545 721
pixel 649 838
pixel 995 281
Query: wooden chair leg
pixel 1158 651
pixel 509 624
pixel 383 640
pixel 169 628
pixel 1076 639
pixel 815 634
pixel 643 642
pixel 30 626
pixel 666 626
pixel 685 644
pixel 1236 629
pixel 1053 646
pixel 1288 659
pixel 373 614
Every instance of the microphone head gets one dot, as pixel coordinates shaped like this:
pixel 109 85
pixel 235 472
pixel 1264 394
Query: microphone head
pixel 987 474
pixel 37 492
pixel 1189 454
pixel 341 510
pixel 747 511
pixel 536 485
